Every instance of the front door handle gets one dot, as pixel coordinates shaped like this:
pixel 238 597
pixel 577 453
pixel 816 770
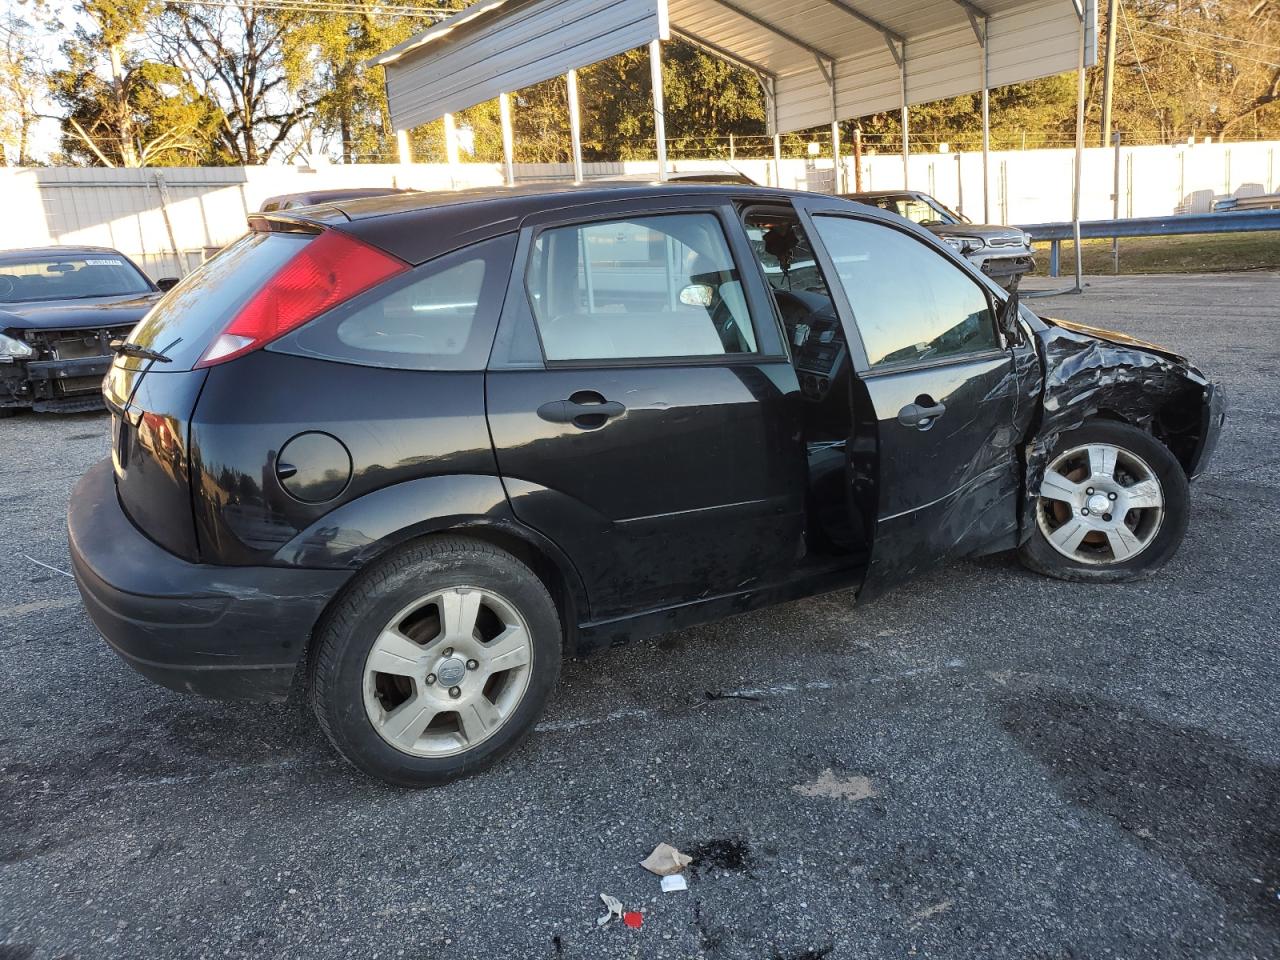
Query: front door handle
pixel 585 409
pixel 922 414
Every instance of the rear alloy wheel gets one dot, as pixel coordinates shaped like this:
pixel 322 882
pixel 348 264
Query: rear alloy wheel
pixel 1113 505
pixel 447 672
pixel 436 662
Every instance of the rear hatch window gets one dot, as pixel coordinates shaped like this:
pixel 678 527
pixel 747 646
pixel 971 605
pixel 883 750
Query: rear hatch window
pixel 183 324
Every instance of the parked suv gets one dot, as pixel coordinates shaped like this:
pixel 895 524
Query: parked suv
pixel 413 451
pixel 1002 253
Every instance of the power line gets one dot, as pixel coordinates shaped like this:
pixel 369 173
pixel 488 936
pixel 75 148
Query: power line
pixel 1142 70
pixel 1226 54
pixel 324 6
pixel 1218 36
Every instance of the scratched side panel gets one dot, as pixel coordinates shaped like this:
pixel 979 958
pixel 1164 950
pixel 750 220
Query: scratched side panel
pixel 697 489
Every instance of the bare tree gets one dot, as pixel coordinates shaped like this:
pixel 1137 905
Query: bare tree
pixel 22 82
pixel 233 53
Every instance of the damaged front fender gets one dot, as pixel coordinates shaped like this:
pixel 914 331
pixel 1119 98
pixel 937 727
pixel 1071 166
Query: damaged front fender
pixel 1091 373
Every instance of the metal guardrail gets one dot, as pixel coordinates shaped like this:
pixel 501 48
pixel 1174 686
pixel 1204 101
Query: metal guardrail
pixel 1269 201
pixel 1172 225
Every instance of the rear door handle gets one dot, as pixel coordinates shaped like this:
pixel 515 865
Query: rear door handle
pixel 921 415
pixel 585 409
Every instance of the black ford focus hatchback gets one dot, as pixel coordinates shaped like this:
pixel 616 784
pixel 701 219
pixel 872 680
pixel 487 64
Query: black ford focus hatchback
pixel 411 451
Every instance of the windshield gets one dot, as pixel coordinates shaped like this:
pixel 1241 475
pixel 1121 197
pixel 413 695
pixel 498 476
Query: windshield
pixel 75 277
pixel 925 211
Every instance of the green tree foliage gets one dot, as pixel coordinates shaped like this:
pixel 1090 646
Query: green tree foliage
pixel 168 122
pixel 323 61
pixel 281 81
pixel 122 109
pixel 1196 68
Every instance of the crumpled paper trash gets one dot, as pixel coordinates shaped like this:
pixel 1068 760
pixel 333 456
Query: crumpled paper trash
pixel 613 905
pixel 666 860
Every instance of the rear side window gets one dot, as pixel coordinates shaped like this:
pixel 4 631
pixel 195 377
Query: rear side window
pixel 439 316
pixel 663 286
pixel 185 321
pixel 911 304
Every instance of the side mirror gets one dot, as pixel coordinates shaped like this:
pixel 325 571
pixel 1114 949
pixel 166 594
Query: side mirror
pixel 167 283
pixel 697 295
pixel 1007 319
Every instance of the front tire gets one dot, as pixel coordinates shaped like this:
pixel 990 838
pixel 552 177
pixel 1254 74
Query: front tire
pixel 1113 506
pixel 437 662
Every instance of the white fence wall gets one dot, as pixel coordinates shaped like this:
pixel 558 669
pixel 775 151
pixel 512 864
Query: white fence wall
pixel 166 218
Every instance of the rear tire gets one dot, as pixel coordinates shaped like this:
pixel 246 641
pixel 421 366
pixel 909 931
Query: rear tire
pixel 1114 506
pixel 437 662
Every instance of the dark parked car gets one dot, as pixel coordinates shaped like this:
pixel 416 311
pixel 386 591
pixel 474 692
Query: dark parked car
pixel 685 176
pixel 411 454
pixel 60 308
pixel 1002 253
pixel 291 201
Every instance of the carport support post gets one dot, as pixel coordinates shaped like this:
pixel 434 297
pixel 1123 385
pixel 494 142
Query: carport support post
pixel 451 149
pixel 659 115
pixel 906 129
pixel 777 160
pixel 828 69
pixel 1079 171
pixel 508 138
pixel 575 123
pixel 404 152
pixel 986 122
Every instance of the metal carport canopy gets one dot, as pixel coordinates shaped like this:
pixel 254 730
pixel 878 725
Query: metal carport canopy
pixel 819 60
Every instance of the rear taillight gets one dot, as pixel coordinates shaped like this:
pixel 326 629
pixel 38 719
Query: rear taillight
pixel 330 270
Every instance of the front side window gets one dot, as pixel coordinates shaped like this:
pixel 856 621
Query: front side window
pixel 910 303
pixel 438 316
pixel 644 287
pixel 74 277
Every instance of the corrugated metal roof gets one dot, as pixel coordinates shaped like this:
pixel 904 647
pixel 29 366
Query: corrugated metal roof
pixel 502 45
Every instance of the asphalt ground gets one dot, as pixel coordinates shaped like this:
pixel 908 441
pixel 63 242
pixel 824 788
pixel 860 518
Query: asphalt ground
pixel 984 763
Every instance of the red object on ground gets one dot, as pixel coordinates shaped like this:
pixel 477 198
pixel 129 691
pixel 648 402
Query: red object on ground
pixel 632 919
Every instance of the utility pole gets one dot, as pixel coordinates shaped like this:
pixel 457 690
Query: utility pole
pixel 1109 70
pixel 857 158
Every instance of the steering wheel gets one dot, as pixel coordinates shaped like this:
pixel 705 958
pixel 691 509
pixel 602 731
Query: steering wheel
pixel 6 286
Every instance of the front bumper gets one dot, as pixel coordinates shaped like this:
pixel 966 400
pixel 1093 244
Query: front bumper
pixel 1213 417
pixel 1004 265
pixel 218 631
pixel 53 384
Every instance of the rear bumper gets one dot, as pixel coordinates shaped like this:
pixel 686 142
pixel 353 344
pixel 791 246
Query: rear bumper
pixel 218 631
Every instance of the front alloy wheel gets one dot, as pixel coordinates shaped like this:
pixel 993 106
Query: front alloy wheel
pixel 1113 505
pixel 1100 504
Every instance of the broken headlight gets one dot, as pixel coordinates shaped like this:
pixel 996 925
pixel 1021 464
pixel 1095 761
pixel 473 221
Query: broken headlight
pixel 11 348
pixel 965 245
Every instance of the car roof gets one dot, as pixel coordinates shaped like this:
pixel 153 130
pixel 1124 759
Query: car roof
pixel 528 197
pixel 419 226
pixel 324 196
pixel 881 194
pixel 35 253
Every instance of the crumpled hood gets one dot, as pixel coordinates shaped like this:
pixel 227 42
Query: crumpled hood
pixel 1115 337
pixel 121 310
